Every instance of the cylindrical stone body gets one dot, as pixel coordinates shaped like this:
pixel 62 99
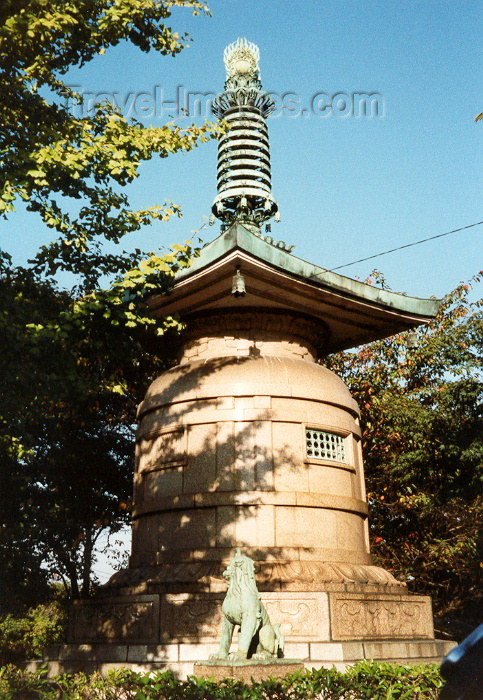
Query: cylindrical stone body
pixel 249 443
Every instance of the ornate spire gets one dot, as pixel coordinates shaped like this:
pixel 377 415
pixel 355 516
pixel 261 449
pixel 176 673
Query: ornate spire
pixel 244 175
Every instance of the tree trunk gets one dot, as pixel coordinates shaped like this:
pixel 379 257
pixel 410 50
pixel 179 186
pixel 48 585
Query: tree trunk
pixel 87 564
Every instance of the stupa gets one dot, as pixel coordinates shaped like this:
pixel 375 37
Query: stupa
pixel 250 442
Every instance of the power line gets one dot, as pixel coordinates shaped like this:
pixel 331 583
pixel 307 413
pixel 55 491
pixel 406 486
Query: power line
pixel 408 245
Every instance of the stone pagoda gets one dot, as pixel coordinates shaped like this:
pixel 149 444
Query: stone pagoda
pixel 250 442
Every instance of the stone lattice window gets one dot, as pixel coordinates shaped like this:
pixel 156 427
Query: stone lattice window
pixel 324 445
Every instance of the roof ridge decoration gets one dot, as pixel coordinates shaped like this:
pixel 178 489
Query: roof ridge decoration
pixel 244 171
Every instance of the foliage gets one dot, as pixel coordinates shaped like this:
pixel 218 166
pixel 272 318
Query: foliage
pixel 422 440
pixel 374 681
pixel 49 153
pixel 74 363
pixel 73 371
pixel 26 637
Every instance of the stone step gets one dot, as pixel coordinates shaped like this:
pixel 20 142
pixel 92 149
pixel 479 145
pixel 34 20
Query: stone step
pixel 180 658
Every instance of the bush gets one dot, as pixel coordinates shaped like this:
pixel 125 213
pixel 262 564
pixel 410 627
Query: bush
pixel 25 637
pixel 365 680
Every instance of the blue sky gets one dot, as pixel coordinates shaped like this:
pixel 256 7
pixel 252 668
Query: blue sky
pixel 347 187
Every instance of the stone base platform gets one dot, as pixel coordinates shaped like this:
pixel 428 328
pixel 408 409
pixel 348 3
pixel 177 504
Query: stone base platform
pixel 247 671
pixel 181 658
pixel 337 626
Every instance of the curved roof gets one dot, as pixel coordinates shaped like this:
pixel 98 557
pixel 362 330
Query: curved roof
pixel 354 312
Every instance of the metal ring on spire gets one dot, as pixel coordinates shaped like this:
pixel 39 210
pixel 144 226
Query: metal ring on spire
pixel 244 173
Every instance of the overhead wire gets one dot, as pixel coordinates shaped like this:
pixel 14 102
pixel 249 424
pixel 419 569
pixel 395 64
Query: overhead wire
pixel 401 247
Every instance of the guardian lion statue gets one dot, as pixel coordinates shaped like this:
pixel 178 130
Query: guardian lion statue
pixel 242 607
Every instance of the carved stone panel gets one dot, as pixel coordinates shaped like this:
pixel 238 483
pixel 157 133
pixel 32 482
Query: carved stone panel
pixel 372 616
pixel 198 617
pixel 302 616
pixel 131 619
pixel 191 618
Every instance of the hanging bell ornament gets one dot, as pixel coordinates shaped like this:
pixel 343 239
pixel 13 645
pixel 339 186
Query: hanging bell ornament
pixel 238 285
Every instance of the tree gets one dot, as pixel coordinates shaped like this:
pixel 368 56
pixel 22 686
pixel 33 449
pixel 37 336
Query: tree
pixel 48 153
pixel 74 363
pixel 422 439
pixel 66 439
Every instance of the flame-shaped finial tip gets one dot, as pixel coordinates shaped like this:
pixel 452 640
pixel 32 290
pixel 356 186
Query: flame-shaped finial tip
pixel 242 57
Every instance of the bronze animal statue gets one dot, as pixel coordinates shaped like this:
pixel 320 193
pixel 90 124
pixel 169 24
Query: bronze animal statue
pixel 242 607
